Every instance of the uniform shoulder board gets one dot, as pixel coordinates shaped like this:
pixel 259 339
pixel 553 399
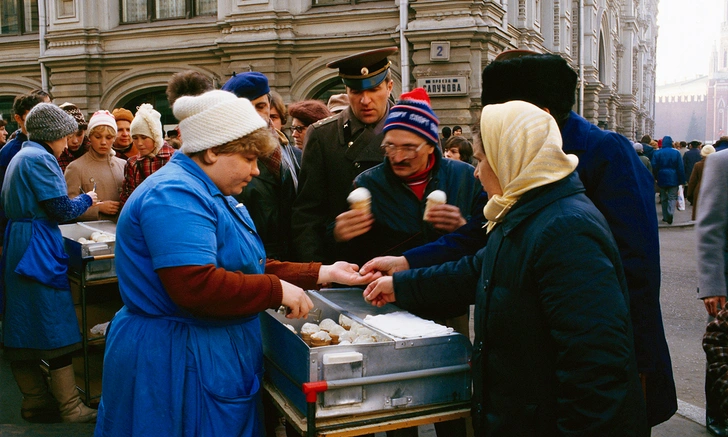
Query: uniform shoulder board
pixel 326 120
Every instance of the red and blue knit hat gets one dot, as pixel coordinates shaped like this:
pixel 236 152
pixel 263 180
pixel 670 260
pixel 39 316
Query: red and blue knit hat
pixel 414 113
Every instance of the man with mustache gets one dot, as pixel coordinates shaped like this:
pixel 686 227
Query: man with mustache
pixel 412 169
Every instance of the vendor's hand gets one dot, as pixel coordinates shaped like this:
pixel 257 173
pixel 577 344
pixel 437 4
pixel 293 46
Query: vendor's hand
pixel 109 207
pixel 714 304
pixel 351 224
pixel 446 218
pixel 94 197
pixel 380 292
pixel 296 300
pixel 388 265
pixel 343 272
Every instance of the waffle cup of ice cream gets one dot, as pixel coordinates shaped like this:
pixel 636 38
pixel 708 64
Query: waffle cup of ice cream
pixel 335 333
pixel 360 199
pixel 307 330
pixel 437 197
pixel 321 338
pixel 345 321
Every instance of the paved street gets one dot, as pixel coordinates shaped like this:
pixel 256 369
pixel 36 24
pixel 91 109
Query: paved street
pixel 683 314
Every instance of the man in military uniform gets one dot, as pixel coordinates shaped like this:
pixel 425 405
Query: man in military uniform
pixel 338 149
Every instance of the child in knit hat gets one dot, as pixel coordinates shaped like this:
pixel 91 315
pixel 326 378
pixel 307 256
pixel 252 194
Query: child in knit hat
pixel 77 141
pixel 98 169
pixel 36 286
pixel 154 152
pixel 189 254
pixel 123 145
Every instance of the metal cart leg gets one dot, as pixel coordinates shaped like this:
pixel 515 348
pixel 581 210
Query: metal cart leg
pixel 311 390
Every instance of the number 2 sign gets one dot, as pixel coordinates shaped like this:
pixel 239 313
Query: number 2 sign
pixel 440 51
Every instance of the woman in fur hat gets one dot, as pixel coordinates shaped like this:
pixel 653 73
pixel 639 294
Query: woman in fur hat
pixel 39 316
pixel 193 275
pixel 154 152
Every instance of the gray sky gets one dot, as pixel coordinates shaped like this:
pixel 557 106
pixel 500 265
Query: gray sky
pixel 688 31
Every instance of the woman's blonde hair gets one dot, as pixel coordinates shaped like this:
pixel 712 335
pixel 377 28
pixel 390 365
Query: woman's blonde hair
pixel 102 129
pixel 260 142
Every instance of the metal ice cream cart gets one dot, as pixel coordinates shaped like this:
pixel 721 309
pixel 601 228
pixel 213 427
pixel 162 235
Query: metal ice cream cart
pixel 354 389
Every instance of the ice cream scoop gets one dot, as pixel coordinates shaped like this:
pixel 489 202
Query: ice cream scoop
pixel 437 197
pixel 360 199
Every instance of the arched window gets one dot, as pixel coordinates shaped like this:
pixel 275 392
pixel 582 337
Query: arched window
pixel 329 88
pixel 6 111
pixel 155 97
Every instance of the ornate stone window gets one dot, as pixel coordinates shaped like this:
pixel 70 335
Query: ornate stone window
pixel 18 17
pixel 138 11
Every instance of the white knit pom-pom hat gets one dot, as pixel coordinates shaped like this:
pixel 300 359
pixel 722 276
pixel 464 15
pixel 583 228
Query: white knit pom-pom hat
pixel 213 119
pixel 148 122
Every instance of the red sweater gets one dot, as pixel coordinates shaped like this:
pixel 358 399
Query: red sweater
pixel 208 291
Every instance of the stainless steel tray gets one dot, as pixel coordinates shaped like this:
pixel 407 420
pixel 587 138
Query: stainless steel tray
pixel 364 378
pixel 82 255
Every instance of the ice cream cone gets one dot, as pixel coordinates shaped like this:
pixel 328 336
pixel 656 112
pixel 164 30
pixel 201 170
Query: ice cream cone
pixel 360 199
pixel 437 197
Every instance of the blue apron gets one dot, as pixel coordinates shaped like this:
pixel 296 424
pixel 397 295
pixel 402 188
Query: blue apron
pixel 167 372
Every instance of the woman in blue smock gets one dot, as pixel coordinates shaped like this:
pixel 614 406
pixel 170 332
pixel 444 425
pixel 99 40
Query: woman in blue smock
pixel 39 318
pixel 184 354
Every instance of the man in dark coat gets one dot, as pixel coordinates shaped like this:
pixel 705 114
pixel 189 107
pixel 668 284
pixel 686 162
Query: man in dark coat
pixel 338 149
pixel 270 195
pixel 615 180
pixel 691 157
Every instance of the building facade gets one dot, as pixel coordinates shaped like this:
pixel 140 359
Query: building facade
pixel 112 53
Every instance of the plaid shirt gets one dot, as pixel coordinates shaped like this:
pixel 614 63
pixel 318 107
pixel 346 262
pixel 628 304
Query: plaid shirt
pixel 139 168
pixel 68 157
pixel 715 344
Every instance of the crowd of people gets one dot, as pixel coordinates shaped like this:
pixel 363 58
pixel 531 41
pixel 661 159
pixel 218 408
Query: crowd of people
pixel 548 228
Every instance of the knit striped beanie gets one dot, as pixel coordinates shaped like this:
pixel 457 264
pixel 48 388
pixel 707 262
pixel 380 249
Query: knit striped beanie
pixel 414 113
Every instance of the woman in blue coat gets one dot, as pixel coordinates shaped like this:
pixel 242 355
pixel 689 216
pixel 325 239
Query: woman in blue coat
pixel 184 355
pixel 39 318
pixel 553 352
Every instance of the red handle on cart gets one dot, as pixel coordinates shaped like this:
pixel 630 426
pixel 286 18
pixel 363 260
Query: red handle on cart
pixel 312 389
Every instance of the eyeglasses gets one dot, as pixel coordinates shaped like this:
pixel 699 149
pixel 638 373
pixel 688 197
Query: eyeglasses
pixel 299 129
pixel 407 152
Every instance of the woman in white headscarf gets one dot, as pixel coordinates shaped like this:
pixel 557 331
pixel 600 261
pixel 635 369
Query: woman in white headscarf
pixel 553 352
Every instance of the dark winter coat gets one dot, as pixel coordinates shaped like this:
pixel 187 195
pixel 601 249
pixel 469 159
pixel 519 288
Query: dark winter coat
pixel 553 352
pixel 622 189
pixel 269 201
pixel 690 158
pixel 337 149
pixel 667 165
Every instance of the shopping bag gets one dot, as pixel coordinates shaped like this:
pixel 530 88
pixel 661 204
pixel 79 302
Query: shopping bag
pixel 680 199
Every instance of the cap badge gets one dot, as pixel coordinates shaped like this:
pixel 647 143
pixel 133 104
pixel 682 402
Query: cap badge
pixel 364 71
